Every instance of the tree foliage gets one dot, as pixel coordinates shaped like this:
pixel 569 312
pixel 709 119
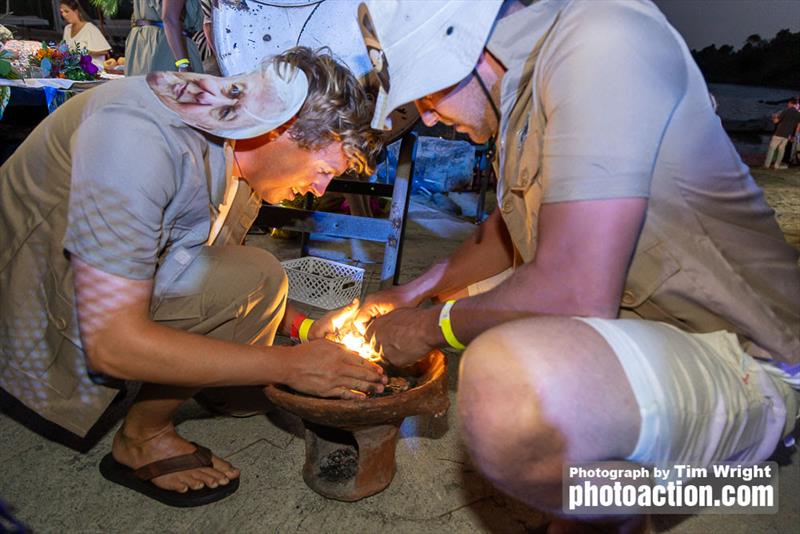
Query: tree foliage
pixel 772 63
pixel 108 7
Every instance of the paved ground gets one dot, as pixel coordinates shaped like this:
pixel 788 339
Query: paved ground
pixel 53 489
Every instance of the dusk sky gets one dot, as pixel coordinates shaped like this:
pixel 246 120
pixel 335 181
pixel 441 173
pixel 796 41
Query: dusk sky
pixel 705 22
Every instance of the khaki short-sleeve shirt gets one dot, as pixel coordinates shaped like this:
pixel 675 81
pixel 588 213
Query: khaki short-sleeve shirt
pixel 602 100
pixel 117 179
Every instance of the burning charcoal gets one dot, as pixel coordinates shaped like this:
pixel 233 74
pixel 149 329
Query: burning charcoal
pixel 397 384
pixel 339 466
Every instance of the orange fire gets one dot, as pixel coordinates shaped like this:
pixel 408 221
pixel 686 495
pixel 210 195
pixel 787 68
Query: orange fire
pixel 359 344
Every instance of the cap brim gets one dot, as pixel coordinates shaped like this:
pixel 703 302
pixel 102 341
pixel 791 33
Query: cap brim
pixel 426 49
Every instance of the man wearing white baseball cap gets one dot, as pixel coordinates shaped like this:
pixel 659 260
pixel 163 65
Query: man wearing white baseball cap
pixel 632 298
pixel 123 216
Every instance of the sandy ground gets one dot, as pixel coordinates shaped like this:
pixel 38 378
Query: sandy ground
pixel 782 189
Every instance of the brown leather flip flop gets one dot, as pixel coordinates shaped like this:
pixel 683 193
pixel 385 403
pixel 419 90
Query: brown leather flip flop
pixel 139 479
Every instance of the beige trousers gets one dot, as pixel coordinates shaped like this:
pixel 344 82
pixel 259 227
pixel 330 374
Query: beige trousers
pixel 235 293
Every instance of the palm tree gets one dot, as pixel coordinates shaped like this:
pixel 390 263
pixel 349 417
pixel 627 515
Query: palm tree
pixel 108 7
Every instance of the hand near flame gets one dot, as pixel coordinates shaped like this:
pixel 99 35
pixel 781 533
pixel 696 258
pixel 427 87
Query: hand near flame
pixel 406 334
pixel 328 369
pixel 383 302
pixel 330 324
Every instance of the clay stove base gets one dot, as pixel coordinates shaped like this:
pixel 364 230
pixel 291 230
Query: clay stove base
pixel 350 465
pixel 350 444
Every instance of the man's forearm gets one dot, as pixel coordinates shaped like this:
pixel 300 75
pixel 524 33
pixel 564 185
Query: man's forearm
pixel 171 15
pixel 522 295
pixel 561 281
pixel 155 353
pixel 583 252
pixel 487 252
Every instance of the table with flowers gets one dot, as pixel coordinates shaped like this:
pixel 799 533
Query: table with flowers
pixel 52 70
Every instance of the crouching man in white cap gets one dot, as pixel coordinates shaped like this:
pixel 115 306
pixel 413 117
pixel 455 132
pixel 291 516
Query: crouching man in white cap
pixel 123 214
pixel 632 298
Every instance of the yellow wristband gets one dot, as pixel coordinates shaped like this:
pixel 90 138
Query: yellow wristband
pixel 447 327
pixel 302 332
pixel 182 61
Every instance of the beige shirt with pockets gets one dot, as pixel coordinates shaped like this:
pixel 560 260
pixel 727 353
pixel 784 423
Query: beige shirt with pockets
pixel 602 100
pixel 119 180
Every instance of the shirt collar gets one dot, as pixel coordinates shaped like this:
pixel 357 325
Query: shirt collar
pixel 223 193
pixel 514 38
pixel 516 34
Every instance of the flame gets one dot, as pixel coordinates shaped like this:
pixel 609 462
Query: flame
pixel 359 344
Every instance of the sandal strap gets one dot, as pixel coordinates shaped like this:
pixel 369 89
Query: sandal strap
pixel 201 457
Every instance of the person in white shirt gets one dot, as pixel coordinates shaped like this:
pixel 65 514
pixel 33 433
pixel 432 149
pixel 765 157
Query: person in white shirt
pixel 79 32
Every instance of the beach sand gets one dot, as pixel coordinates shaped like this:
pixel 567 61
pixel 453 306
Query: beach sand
pixel 782 189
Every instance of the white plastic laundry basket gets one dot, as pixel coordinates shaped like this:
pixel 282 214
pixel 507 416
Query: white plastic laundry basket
pixel 323 283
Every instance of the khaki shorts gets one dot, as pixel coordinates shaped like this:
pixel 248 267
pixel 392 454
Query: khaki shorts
pixel 701 397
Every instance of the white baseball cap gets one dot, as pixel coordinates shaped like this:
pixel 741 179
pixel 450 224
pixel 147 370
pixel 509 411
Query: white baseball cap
pixel 420 47
pixel 290 86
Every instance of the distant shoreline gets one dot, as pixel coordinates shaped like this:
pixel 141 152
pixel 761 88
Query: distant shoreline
pixel 772 63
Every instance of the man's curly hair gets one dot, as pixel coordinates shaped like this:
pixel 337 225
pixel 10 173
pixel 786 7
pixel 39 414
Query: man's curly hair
pixel 337 108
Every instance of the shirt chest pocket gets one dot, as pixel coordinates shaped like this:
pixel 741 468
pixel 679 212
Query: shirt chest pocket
pixel 651 268
pixel 525 155
pixel 522 191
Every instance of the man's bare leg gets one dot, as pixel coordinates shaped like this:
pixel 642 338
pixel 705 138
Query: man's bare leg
pixel 539 392
pixel 147 435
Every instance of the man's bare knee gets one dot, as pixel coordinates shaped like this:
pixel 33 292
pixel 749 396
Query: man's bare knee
pixel 538 392
pixel 500 409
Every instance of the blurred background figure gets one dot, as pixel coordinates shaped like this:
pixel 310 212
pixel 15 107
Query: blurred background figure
pixel 787 125
pixel 205 41
pixel 80 32
pixel 159 38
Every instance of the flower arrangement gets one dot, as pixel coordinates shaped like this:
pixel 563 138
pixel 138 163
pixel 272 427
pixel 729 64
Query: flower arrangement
pixel 64 62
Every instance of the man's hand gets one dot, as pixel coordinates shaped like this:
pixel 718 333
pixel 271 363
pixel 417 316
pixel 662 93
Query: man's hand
pixel 487 252
pixel 334 321
pixel 406 335
pixel 327 369
pixel 383 302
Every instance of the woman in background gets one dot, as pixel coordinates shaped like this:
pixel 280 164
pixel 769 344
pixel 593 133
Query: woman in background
pixel 80 32
pixel 158 39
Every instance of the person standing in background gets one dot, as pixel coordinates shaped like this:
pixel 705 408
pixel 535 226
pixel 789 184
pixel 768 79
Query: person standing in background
pixel 159 40
pixel 787 125
pixel 794 150
pixel 81 33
